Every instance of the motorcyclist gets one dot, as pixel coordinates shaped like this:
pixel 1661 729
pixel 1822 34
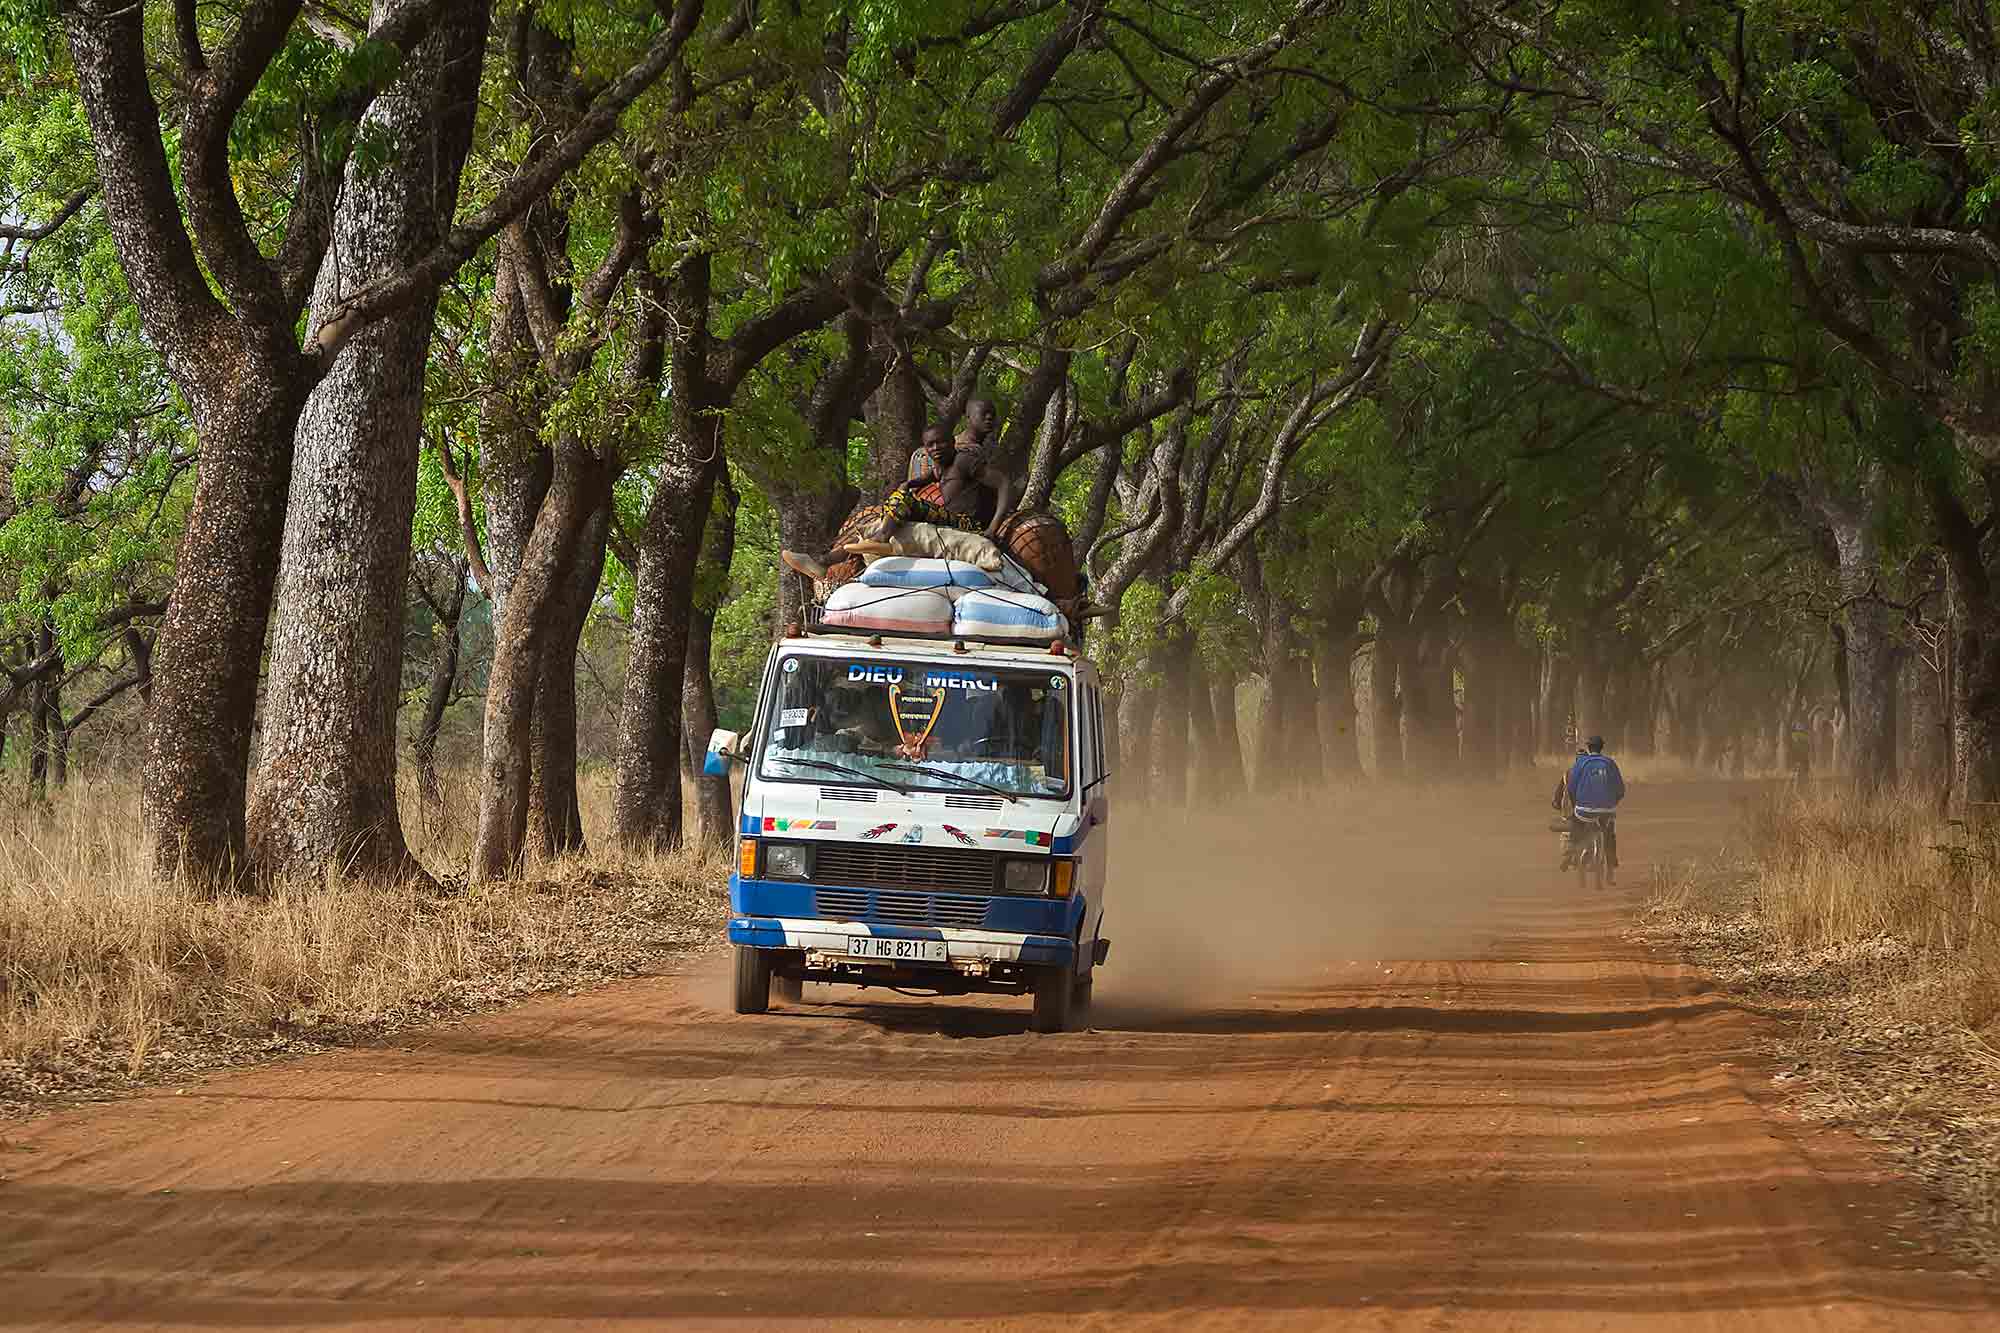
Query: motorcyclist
pixel 1593 787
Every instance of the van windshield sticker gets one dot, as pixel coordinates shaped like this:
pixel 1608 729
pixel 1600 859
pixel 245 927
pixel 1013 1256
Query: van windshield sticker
pixel 933 680
pixel 794 717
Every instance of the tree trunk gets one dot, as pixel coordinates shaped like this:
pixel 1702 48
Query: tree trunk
pixel 1485 695
pixel 514 464
pixel 1642 713
pixel 713 799
pixel 1976 671
pixel 555 815
pixel 1386 704
pixel 1558 700
pixel 646 801
pixel 1333 671
pixel 1172 718
pixel 59 742
pixel 1136 742
pixel 1201 732
pixel 326 788
pixel 437 691
pixel 1429 712
pixel 44 718
pixel 806 522
pixel 579 488
pixel 1593 687
pixel 1523 694
pixel 1225 766
pixel 895 416
pixel 1273 775
pixel 211 643
pixel 1930 723
pixel 1304 756
pixel 1870 651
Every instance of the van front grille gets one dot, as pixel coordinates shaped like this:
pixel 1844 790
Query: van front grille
pixel 901 908
pixel 904 867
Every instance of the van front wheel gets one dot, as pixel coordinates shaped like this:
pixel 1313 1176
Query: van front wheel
pixel 1055 994
pixel 753 980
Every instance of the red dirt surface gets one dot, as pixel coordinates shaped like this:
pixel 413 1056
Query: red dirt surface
pixel 1540 1126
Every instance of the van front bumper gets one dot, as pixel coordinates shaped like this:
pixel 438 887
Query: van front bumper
pixel 967 950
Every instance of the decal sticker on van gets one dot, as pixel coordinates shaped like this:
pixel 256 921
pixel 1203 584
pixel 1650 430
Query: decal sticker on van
pixel 1029 836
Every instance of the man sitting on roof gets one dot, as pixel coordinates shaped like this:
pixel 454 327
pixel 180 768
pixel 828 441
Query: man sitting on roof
pixel 973 494
pixel 952 484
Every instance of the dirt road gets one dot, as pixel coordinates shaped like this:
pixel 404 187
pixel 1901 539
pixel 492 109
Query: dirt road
pixel 1540 1126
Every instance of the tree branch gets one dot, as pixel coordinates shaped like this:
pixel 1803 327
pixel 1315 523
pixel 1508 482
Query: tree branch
pixel 42 231
pixel 528 185
pixel 248 280
pixel 154 249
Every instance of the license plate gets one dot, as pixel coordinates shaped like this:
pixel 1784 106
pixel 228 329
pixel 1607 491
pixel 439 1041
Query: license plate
pixel 897 951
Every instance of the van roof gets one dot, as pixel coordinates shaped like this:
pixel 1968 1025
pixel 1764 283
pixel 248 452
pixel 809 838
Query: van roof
pixel 941 648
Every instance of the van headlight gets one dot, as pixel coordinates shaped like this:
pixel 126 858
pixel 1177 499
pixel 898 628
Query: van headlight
pixel 1025 877
pixel 787 860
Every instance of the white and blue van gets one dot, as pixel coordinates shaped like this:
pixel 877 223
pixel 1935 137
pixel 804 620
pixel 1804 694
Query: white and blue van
pixel 922 813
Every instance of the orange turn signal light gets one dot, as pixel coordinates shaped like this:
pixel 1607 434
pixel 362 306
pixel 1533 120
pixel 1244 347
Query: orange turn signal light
pixel 1064 881
pixel 746 858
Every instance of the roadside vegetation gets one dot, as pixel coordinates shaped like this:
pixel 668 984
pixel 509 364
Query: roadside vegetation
pixel 111 978
pixel 1873 927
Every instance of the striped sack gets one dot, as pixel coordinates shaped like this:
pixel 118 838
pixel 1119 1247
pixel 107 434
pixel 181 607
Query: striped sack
pixel 1008 617
pixel 950 577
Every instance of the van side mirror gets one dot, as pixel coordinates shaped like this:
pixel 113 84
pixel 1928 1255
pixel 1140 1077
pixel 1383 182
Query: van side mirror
pixel 724 748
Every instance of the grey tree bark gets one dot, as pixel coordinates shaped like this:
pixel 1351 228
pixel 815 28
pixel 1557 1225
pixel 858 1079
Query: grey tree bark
pixel 578 490
pixel 1172 719
pixel 1224 768
pixel 1333 672
pixel 1135 742
pixel 1558 703
pixel 44 717
pixel 714 804
pixel 646 800
pixel 1387 704
pixel 326 782
pixel 555 813
pixel 1870 647
pixel 443 680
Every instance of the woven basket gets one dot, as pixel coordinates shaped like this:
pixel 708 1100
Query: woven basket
pixel 1040 543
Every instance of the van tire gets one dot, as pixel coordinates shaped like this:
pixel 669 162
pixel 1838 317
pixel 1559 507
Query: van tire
pixel 1079 1011
pixel 1055 997
pixel 753 980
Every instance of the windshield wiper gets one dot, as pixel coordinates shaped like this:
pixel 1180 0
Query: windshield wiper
pixel 950 776
pixel 843 768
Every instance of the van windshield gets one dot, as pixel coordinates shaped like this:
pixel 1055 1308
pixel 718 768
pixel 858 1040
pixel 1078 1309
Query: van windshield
pixel 1003 727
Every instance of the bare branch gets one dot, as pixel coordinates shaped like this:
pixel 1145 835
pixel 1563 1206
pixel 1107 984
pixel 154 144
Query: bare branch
pixel 468 526
pixel 42 231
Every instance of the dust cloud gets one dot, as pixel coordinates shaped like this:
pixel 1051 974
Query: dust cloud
pixel 1208 908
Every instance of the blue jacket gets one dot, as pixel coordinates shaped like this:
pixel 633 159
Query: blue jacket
pixel 1595 783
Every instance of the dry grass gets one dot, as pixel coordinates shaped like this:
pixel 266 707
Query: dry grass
pixel 109 977
pixel 1889 877
pixel 1875 926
